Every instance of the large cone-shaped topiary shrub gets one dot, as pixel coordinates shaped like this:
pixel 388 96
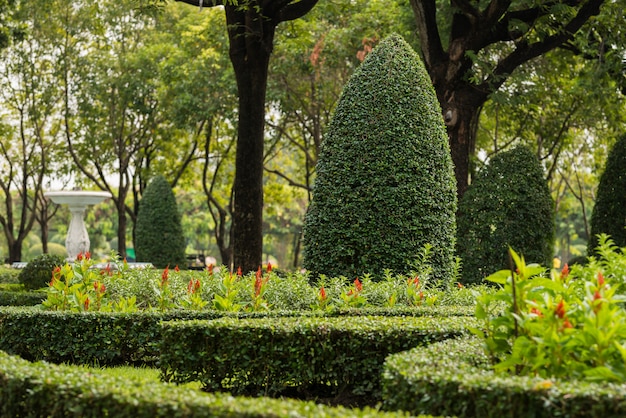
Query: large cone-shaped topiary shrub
pixel 507 205
pixel 385 185
pixel 609 212
pixel 159 234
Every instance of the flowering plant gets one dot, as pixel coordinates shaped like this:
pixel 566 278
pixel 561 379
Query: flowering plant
pixel 555 324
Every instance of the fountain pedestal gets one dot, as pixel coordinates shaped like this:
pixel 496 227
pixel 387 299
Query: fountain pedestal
pixel 77 240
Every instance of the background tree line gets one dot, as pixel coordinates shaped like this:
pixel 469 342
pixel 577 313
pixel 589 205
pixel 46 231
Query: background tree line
pixel 105 95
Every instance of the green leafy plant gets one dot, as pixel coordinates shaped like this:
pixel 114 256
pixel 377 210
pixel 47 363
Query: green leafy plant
pixel 386 152
pixel 225 299
pixel 567 325
pixel 38 272
pixel 507 205
pixel 159 233
pixel 609 210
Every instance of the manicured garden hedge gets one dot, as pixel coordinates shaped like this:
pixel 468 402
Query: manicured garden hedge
pixel 454 378
pixel 10 298
pixel 131 338
pixel 46 390
pixel 310 355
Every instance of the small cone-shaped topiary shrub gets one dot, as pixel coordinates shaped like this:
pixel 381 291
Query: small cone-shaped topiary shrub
pixel 385 184
pixel 609 212
pixel 159 234
pixel 507 205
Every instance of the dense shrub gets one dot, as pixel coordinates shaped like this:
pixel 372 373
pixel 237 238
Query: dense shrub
pixel 454 378
pixel 323 356
pixel 38 272
pixel 385 185
pixel 159 235
pixel 48 390
pixel 507 205
pixel 609 212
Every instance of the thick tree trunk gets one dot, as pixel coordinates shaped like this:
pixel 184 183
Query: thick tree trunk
pixel 250 50
pixel 15 251
pixel 461 117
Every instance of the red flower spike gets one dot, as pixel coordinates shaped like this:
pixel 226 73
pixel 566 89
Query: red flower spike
pixel 600 279
pixel 597 295
pixel 357 285
pixel 258 273
pixel 567 324
pixel 79 257
pixel 565 271
pixel 416 281
pixel 87 304
pixel 322 293
pixel 165 275
pixel 209 268
pixel 239 273
pixel 421 295
pixel 560 309
pixel 269 267
pixel 460 285
pixel 87 255
pixel 536 311
pixel 176 269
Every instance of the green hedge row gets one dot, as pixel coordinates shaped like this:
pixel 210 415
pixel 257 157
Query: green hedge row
pixel 10 298
pixel 312 356
pixel 87 337
pixel 454 378
pixel 126 338
pixel 47 390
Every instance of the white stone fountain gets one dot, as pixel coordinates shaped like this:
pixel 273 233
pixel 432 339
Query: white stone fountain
pixel 77 240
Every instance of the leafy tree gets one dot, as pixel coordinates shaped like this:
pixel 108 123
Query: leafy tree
pixel 251 28
pixel 385 184
pixel 609 211
pixel 471 48
pixel 160 239
pixel 507 205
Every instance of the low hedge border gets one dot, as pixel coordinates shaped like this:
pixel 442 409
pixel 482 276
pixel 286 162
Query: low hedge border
pixel 124 338
pixel 10 298
pixel 454 378
pixel 314 356
pixel 43 389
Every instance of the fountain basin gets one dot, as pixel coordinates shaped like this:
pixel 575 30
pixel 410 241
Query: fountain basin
pixel 77 197
pixel 77 240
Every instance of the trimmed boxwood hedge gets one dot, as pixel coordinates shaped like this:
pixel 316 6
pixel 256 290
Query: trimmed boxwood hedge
pixel 507 205
pixel 110 339
pixel 609 212
pixel 385 185
pixel 454 378
pixel 311 355
pixel 159 237
pixel 47 390
pixel 11 298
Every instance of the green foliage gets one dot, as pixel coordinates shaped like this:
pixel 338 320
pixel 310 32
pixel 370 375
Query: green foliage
pixel 38 272
pixel 9 275
pixel 20 298
pixel 79 287
pixel 507 205
pixel 42 389
pixel 572 325
pixel 385 185
pixel 609 211
pixel 320 355
pixel 454 378
pixel 159 234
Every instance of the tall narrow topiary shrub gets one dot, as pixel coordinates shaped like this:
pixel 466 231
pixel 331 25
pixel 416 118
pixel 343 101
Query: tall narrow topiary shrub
pixel 385 185
pixel 507 205
pixel 609 211
pixel 159 234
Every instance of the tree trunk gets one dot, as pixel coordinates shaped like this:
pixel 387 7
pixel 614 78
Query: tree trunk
pixel 461 115
pixel 121 224
pixel 15 251
pixel 251 39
